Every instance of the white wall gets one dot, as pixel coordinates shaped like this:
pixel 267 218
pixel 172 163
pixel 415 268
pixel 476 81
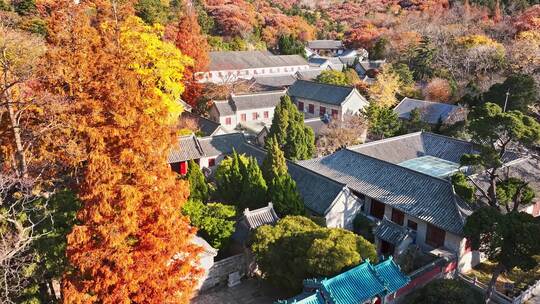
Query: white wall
pixel 352 105
pixel 344 210
pixel 317 106
pixel 236 118
pixel 228 76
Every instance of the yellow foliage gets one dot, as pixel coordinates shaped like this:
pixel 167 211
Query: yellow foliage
pixel 160 64
pixel 471 41
pixel 387 85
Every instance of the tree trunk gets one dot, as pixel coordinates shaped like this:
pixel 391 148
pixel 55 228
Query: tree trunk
pixel 491 286
pixel 22 170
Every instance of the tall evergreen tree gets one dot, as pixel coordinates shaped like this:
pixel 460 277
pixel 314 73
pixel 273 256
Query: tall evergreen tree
pixel 229 178
pixel 281 186
pixel 254 189
pixel 288 45
pixel 297 140
pixel 422 61
pixel 198 188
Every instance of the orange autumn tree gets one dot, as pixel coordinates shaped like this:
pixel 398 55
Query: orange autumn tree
pixel 122 83
pixel 191 42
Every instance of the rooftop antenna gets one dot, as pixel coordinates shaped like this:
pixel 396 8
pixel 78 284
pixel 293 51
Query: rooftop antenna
pixel 506 100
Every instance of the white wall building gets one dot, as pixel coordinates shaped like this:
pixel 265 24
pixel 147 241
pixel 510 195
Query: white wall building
pixel 227 67
pixel 319 99
pixel 241 109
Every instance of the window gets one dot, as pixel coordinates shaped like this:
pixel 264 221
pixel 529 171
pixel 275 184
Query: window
pixel 228 121
pixel 322 111
pixel 266 114
pixel 412 225
pixel 311 108
pixel 435 236
pixel 300 106
pixel 334 114
pixel 243 117
pixel 377 209
pixel 397 216
pixel 211 162
pixel 255 115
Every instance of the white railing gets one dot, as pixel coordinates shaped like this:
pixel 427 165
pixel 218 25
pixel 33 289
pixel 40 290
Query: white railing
pixel 498 297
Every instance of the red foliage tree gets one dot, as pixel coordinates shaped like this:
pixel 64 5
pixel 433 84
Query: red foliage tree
pixel 190 40
pixel 132 244
pixel 529 20
pixel 233 17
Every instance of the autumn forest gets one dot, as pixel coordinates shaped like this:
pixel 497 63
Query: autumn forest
pixel 89 110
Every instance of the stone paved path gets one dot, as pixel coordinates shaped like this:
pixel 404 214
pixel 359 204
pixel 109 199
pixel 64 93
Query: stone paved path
pixel 248 292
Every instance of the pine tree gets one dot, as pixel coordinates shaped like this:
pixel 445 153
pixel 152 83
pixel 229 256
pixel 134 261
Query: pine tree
pixel 229 177
pixel 254 189
pixel 288 128
pixel 281 187
pixel 198 188
pixel 422 62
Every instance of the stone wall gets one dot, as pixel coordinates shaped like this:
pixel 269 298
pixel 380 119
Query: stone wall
pixel 219 272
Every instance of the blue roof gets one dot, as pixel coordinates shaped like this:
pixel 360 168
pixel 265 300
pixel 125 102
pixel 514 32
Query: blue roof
pixel 354 286
pixel 315 298
pixel 391 275
pixel 361 283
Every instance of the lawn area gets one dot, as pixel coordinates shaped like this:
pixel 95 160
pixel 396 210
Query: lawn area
pixel 521 279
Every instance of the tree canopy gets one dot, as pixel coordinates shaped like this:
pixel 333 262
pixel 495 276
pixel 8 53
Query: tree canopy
pixel 496 132
pixel 296 249
pixel 522 93
pixel 281 187
pixel 198 188
pixel 215 221
pixel 333 77
pixel 295 138
pixel 123 83
pixel 383 122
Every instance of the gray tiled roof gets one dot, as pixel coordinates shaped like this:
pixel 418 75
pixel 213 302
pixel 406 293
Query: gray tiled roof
pixel 224 107
pixel 317 191
pixel 279 81
pixel 431 111
pixel 321 92
pixel 401 148
pixel 188 148
pixel 310 74
pixel 205 125
pixel 240 60
pixel 266 99
pixel 371 64
pixel 191 147
pixel 422 196
pixel 391 232
pixel 262 216
pixel 325 44
pixel 257 100
pixel 221 144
